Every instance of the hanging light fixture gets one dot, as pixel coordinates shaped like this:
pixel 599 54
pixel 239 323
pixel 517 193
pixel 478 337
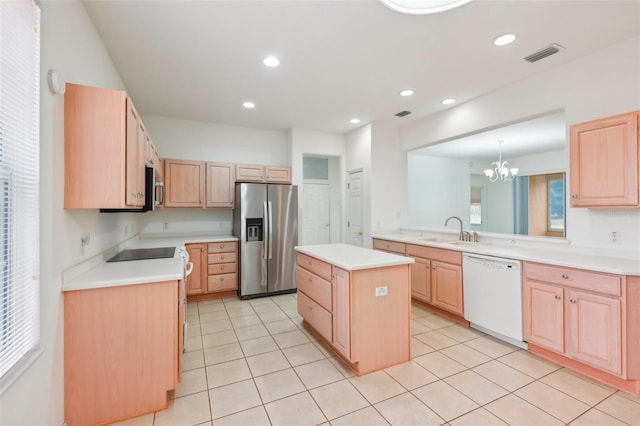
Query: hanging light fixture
pixel 501 169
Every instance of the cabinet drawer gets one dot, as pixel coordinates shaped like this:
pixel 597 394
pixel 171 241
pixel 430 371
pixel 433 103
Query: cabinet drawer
pixel 222 258
pixel 443 255
pixel 315 287
pixel 576 278
pixel 224 247
pixel 222 282
pixel 315 315
pixel 389 246
pixel 221 268
pixel 318 267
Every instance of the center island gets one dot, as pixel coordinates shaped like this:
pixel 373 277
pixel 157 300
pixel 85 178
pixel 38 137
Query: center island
pixel 358 301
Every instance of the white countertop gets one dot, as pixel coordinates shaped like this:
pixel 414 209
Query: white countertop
pixel 97 273
pixel 564 255
pixel 353 258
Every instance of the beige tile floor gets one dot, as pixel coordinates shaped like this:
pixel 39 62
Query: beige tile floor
pixel 253 363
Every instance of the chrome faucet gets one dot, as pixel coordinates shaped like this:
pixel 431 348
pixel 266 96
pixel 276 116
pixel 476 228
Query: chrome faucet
pixel 459 220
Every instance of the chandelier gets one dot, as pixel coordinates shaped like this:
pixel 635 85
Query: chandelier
pixel 501 169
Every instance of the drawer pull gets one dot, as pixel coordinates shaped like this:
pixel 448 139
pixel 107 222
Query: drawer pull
pixel 310 263
pixel 565 276
pixel 222 257
pixel 572 301
pixel 221 267
pixel 310 279
pixel 221 246
pixel 557 297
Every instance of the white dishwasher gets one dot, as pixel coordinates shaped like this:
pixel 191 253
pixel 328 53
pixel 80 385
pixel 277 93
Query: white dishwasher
pixel 493 296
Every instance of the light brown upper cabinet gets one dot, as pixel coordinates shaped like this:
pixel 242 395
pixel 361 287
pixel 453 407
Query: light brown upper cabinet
pixel 260 173
pixel 104 149
pixel 604 162
pixel 184 183
pixel 220 185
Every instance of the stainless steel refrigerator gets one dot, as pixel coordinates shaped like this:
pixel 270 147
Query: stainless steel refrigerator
pixel 265 220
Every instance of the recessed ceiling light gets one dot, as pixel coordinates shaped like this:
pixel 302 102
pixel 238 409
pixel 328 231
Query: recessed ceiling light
pixel 271 61
pixel 504 39
pixel 248 105
pixel 354 120
pixel 448 101
pixel 407 92
pixel 422 7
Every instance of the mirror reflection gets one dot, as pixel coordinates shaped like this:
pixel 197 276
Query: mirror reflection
pixel 468 177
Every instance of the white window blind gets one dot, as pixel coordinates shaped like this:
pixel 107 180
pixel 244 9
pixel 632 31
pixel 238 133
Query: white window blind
pixel 19 174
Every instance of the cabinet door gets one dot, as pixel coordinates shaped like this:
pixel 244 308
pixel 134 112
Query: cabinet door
pixel 543 315
pixel 446 287
pixel 182 305
pixel 249 173
pixel 421 279
pixel 197 281
pixel 594 330
pixel 341 312
pixel 184 183
pixel 604 162
pixel 277 174
pixel 220 185
pixel 134 168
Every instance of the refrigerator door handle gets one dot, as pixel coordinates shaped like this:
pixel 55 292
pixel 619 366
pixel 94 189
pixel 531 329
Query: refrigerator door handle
pixel 267 235
pixel 270 231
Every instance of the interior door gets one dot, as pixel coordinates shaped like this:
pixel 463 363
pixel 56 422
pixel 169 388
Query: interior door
pixel 282 236
pixel 355 222
pixel 316 215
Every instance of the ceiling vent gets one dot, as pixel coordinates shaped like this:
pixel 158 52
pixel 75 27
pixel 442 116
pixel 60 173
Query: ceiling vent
pixel 552 49
pixel 403 113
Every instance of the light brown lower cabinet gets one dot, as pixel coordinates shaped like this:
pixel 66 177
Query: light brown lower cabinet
pixel 122 350
pixel 215 267
pixel 368 332
pixel 588 320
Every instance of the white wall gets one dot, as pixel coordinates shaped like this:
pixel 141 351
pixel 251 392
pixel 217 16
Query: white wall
pixel 598 85
pixel 436 185
pixel 194 140
pixel 308 142
pixel 69 44
pixel 388 178
pixel 358 147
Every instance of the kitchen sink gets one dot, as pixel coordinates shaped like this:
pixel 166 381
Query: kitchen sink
pixel 454 242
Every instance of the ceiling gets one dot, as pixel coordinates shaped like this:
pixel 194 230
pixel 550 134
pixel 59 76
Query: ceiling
pixel 543 134
pixel 200 60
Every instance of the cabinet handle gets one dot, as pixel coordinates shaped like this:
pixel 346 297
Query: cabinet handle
pixel 572 301
pixel 201 249
pixel 222 257
pixel 574 196
pixel 557 297
pixel 221 246
pixel 565 276
pixel 310 279
pixel 221 267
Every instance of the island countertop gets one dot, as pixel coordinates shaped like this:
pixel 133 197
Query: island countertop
pixel 352 258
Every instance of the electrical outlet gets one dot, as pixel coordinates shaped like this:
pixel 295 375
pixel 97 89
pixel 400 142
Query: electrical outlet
pixel 84 241
pixel 614 238
pixel 381 291
pixel 514 242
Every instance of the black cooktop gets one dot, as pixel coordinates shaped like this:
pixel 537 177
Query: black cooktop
pixel 143 254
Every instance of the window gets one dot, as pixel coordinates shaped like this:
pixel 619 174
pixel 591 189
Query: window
pixel 19 175
pixel 315 168
pixel 555 192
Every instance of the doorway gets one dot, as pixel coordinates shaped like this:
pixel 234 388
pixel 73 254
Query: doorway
pixel 355 219
pixel 320 200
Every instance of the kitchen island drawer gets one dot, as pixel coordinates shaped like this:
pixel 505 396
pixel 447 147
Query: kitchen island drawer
pixel 391 246
pixel 222 258
pixel 222 282
pixel 318 267
pixel 315 315
pixel 224 247
pixel 221 268
pixel 315 287
pixel 586 280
